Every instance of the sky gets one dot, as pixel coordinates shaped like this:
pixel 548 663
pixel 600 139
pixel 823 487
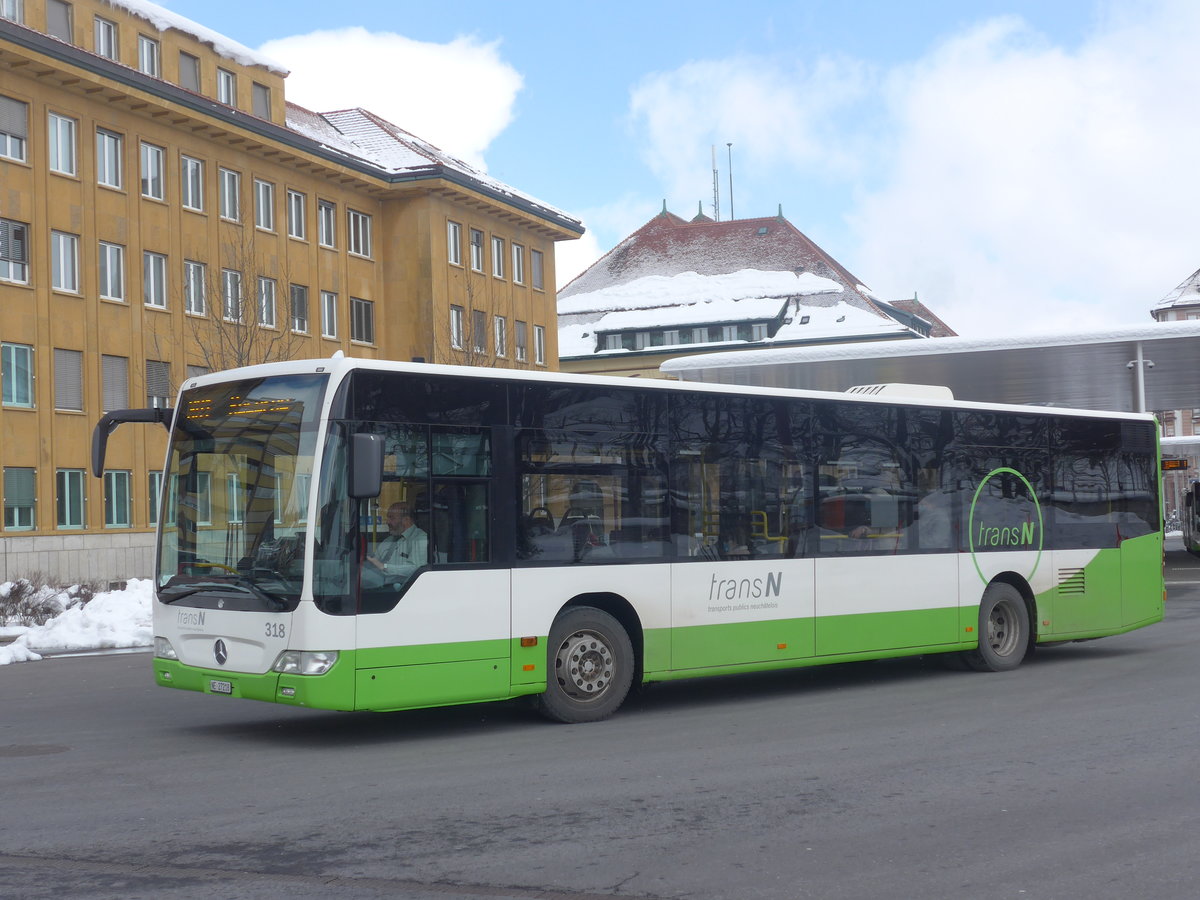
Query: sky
pixel 1019 165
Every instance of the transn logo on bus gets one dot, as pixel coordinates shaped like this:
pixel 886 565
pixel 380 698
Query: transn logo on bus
pixel 1027 535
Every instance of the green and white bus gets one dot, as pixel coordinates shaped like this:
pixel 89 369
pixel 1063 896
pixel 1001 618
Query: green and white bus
pixel 572 536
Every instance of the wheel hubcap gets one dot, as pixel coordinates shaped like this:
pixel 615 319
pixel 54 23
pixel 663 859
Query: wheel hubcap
pixel 584 665
pixel 1002 630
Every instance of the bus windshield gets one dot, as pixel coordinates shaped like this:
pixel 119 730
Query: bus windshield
pixel 235 498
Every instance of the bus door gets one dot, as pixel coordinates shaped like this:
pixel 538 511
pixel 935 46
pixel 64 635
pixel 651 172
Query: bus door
pixel 433 619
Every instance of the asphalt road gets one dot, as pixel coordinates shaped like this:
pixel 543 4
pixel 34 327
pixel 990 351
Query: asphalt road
pixel 1075 776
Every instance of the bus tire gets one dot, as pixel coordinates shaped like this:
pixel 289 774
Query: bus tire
pixel 1003 630
pixel 589 667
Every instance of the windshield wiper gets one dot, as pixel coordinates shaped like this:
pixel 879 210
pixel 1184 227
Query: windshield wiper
pixel 241 583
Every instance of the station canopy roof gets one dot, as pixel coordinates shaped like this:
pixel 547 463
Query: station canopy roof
pixel 1083 370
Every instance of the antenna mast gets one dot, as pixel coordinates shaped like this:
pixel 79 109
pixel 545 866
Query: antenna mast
pixel 716 187
pixel 730 146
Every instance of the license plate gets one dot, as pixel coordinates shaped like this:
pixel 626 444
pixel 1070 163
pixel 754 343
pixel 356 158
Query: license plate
pixel 221 687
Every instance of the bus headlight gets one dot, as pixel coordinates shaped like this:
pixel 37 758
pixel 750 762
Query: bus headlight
pixel 305 662
pixel 163 648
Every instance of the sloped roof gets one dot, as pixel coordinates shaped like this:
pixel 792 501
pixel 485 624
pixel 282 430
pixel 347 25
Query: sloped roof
pixel 668 245
pixel 917 308
pixel 1186 294
pixel 368 137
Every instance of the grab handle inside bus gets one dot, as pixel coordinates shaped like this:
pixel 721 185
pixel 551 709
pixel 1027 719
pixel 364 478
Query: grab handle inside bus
pixel 366 466
pixel 109 422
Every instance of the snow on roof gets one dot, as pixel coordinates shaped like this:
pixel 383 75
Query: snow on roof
pixel 667 245
pixel 368 137
pixel 808 324
pixel 653 291
pixel 941 346
pixel 164 19
pixel 1187 294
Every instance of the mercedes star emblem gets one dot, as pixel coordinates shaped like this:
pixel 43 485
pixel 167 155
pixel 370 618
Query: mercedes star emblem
pixel 220 652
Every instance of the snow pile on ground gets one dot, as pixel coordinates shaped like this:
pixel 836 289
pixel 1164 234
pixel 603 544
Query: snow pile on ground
pixel 110 620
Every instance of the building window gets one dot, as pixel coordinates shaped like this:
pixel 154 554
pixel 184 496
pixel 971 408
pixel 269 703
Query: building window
pixel 295 215
pixel 189 72
pixel 500 333
pixel 362 320
pixel 204 493
pixel 456 327
pixel 260 100
pixel 69 497
pixel 13 10
pixel 234 513
pixel 108 158
pixel 116 499
pixel 20 493
pixel 68 379
pixel 14 128
pixel 14 251
pixel 326 223
pixel 148 56
pixel 498 257
pixel 266 302
pixel 454 243
pixel 328 314
pixel 153 162
pixel 264 205
pixel 476 250
pixel 359 231
pixel 537 272
pixel 59 22
pixel 106 38
pixel 154 279
pixel 522 339
pixel 299 309
pixel 114 389
pixel 539 344
pixel 195 278
pixel 153 494
pixel 226 87
pixel 518 270
pixel 158 384
pixel 64 262
pixel 231 295
pixel 229 186
pixel 479 333
pixel 62 144
pixel 16 374
pixel 191 177
pixel 112 271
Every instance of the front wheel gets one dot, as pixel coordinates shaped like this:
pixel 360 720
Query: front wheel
pixel 590 661
pixel 1003 630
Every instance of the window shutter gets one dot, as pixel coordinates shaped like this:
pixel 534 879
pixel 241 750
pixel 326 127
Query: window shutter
pixel 14 117
pixel 158 383
pixel 58 20
pixel 19 488
pixel 68 379
pixel 13 245
pixel 116 382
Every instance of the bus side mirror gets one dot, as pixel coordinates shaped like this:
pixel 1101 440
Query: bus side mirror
pixel 366 466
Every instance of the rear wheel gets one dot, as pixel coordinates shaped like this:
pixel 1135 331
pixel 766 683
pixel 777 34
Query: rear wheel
pixel 1003 630
pixel 590 661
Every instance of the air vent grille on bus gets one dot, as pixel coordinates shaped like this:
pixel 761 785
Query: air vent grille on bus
pixel 1071 581
pixel 916 391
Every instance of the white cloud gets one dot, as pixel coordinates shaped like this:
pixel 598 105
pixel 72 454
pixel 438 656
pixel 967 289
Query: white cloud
pixel 458 96
pixel 1015 184
pixel 782 117
pixel 1038 188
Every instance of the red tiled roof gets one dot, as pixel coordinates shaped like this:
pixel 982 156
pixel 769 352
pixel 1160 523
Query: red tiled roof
pixel 669 245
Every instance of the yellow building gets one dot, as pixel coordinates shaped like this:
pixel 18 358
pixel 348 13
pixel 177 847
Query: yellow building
pixel 164 212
